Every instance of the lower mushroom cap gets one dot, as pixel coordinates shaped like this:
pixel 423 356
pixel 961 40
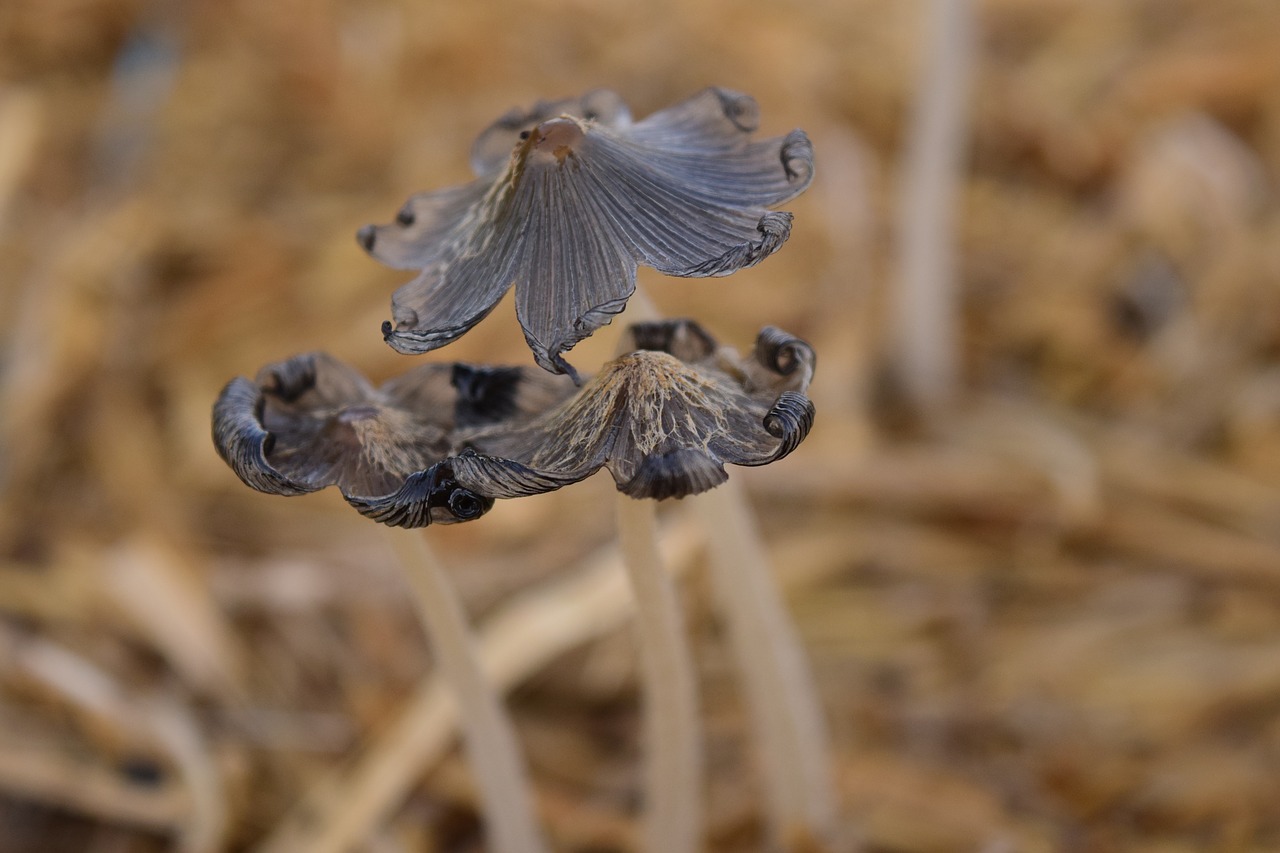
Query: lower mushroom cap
pixel 311 422
pixel 440 443
pixel 664 426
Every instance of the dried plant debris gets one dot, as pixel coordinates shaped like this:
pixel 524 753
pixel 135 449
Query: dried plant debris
pixel 583 197
pixel 312 421
pixel 663 418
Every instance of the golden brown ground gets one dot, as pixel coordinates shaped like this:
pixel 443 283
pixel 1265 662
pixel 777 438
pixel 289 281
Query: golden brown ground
pixel 1047 620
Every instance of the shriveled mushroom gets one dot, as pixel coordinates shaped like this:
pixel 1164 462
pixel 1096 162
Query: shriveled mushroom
pixel 313 421
pixel 571 197
pixel 438 444
pixel 584 197
pixel 664 418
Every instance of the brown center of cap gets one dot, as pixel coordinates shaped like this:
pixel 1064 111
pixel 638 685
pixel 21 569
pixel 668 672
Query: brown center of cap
pixel 557 137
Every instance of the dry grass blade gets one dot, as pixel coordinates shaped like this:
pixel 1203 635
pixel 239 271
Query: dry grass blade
pixel 159 595
pixel 158 721
pixel 47 775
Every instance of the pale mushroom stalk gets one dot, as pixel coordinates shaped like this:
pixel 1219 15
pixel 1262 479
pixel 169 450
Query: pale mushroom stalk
pixel 784 708
pixel 783 703
pixel 517 639
pixel 487 732
pixel 672 738
pixel 924 315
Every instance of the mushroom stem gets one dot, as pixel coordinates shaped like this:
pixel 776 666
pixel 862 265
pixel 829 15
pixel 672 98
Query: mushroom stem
pixel 783 701
pixel 785 712
pixel 673 769
pixel 488 735
pixel 517 639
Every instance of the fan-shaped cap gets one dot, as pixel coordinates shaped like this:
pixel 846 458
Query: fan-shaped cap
pixel 312 421
pixel 664 419
pixel 584 197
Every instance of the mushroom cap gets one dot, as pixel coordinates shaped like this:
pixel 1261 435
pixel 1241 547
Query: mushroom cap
pixel 442 442
pixel 312 421
pixel 663 418
pixel 584 197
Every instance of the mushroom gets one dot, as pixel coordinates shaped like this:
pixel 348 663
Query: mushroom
pixel 664 418
pixel 312 421
pixel 570 198
pixel 584 197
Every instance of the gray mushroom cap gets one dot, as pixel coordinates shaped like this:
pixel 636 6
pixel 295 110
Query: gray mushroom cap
pixel 583 198
pixel 440 443
pixel 663 419
pixel 311 421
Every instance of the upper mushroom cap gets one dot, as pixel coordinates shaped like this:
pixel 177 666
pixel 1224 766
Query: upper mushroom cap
pixel 312 421
pixel 583 197
pixel 664 418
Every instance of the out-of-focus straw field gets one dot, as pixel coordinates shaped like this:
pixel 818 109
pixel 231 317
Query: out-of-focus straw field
pixel 1043 609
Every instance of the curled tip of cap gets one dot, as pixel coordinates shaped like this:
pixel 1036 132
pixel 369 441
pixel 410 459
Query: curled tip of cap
pixel 366 237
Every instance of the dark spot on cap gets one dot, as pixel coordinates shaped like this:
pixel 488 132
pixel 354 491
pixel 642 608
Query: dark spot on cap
pixel 675 474
pixel 465 504
pixel 366 237
pixel 406 216
pixel 485 394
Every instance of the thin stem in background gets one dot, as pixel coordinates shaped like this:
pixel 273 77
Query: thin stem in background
pixel 783 702
pixel 924 317
pixel 489 738
pixel 673 743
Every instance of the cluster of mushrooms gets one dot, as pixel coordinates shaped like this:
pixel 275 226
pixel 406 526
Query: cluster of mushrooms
pixel 569 198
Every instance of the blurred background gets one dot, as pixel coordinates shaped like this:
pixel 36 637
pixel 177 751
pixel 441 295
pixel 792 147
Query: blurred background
pixel 1032 545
